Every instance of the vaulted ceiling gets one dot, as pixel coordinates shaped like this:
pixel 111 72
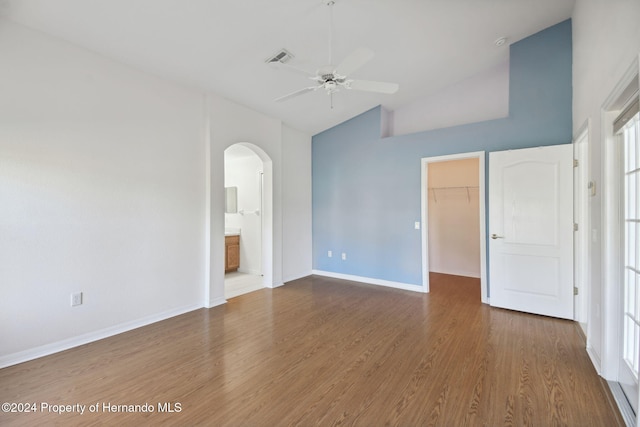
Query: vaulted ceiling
pixel 221 45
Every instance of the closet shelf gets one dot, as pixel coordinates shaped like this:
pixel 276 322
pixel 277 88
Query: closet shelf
pixel 454 188
pixel 467 188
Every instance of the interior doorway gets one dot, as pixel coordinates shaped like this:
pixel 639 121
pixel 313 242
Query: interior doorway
pixel 246 233
pixel 453 217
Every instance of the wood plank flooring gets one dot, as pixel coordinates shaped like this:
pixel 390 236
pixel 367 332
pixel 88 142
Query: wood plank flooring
pixel 322 351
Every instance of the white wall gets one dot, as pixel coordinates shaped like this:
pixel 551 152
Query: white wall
pixel 241 170
pixel 112 184
pixel 454 217
pixel 484 96
pixel 232 123
pixel 102 184
pixel 606 39
pixel 296 190
pixel 286 155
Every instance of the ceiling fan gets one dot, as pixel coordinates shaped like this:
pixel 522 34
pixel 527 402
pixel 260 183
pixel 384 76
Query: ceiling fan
pixel 332 78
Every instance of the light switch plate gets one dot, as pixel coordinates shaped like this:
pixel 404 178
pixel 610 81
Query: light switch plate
pixel 76 299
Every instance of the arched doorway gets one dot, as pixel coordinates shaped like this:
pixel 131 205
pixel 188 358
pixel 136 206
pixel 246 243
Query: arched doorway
pixel 248 218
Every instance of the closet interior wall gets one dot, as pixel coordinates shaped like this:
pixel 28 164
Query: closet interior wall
pixel 454 217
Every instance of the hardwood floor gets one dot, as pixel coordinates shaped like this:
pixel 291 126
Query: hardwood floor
pixel 322 351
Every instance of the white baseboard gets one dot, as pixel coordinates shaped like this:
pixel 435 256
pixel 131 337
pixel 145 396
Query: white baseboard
pixel 293 277
pixel 595 359
pixel 216 302
pixel 274 285
pixel 370 281
pixel 45 350
pixel 475 275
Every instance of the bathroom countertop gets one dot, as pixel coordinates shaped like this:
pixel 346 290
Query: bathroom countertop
pixel 231 231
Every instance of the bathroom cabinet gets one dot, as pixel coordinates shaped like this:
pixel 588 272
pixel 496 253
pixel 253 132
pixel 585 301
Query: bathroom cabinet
pixel 231 253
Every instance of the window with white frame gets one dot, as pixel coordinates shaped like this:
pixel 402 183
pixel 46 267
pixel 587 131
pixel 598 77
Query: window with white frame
pixel 629 129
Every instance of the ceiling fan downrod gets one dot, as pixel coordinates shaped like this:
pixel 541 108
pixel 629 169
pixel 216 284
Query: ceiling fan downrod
pixel 330 3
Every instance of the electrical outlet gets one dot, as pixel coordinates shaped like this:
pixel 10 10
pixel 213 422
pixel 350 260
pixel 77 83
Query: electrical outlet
pixel 76 299
pixel 344 256
pixel 329 254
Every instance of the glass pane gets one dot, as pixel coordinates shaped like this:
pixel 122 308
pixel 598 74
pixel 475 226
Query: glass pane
pixel 629 157
pixel 633 147
pixel 636 196
pixel 636 246
pixel 632 245
pixel 636 334
pixel 631 184
pixel 630 293
pixel 637 144
pixel 628 339
pixel 634 281
pixel 633 284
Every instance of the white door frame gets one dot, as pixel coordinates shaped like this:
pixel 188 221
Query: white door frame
pixel 424 196
pixel 264 251
pixel 266 213
pixel 611 243
pixel 581 216
pixel 214 283
pixel 611 220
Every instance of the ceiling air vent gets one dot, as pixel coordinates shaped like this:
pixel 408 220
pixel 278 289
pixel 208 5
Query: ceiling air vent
pixel 283 56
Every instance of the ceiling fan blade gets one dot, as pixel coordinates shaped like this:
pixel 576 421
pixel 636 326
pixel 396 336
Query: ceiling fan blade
pixel 296 93
pixel 370 86
pixel 354 61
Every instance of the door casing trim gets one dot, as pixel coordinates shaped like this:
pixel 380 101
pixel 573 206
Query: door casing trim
pixel 424 196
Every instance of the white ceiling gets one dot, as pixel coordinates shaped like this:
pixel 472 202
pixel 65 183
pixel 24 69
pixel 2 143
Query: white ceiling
pixel 222 45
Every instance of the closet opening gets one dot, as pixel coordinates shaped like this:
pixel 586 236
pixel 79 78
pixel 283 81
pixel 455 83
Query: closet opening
pixel 454 219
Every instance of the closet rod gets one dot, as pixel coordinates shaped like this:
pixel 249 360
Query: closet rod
pixel 467 188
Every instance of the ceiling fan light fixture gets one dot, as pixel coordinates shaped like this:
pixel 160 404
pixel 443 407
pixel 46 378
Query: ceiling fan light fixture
pixel 331 86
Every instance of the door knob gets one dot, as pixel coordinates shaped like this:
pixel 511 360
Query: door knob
pixel 495 236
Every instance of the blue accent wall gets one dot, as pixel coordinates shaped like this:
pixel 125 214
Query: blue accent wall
pixel 366 189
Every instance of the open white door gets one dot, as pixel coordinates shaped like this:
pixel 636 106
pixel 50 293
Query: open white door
pixel 531 230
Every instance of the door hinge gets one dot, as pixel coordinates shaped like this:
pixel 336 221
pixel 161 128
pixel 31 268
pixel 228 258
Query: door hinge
pixel 575 226
pixel 575 290
pixel 575 163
